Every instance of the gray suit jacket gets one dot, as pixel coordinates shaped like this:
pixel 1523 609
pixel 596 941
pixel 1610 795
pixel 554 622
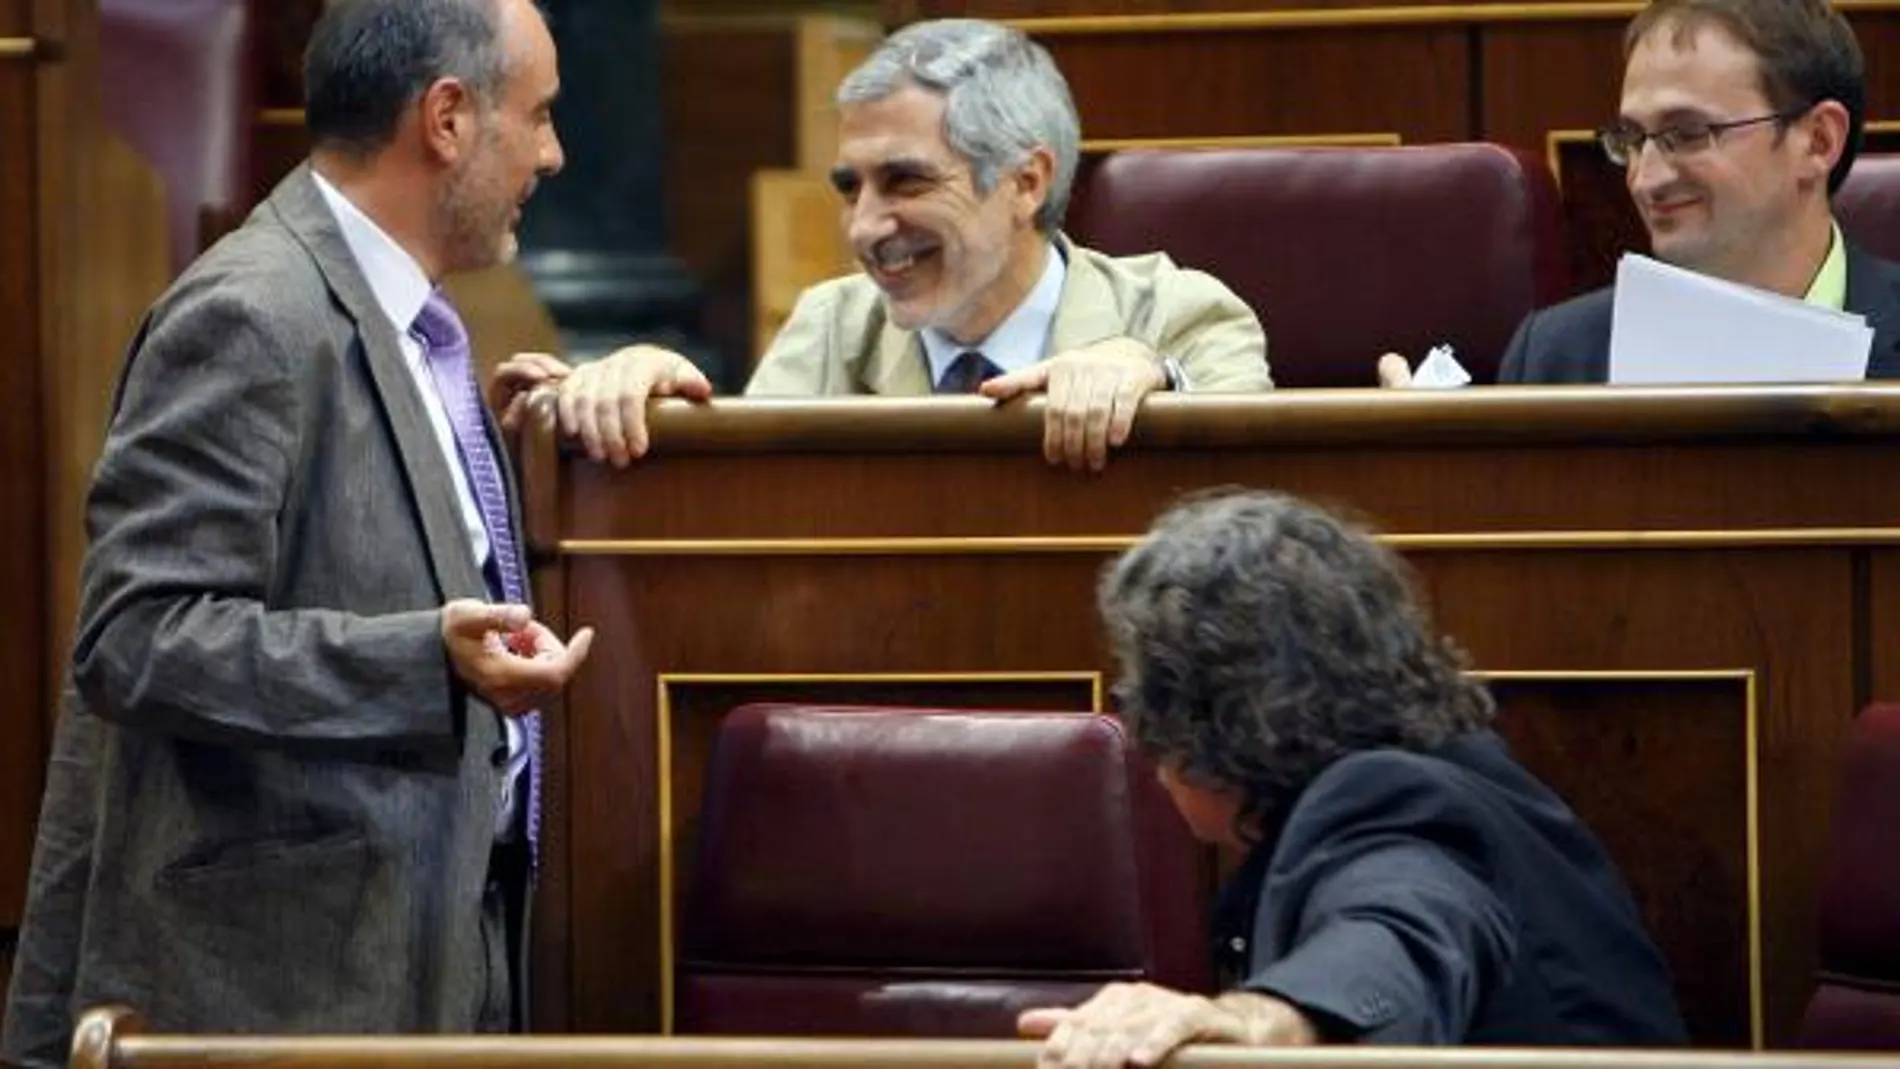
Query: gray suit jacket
pixel 269 807
pixel 1570 342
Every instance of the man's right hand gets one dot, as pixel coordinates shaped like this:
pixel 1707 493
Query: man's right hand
pixel 604 402
pixel 1395 371
pixel 506 656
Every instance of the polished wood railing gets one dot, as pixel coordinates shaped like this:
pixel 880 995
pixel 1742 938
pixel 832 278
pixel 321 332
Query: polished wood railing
pixel 112 1038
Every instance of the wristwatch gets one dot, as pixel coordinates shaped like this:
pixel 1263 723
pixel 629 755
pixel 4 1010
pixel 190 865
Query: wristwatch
pixel 1175 373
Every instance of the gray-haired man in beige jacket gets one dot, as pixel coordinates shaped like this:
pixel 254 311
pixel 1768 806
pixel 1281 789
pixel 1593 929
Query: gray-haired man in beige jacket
pixel 957 147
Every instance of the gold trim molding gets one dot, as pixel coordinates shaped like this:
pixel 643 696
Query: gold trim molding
pixel 1554 142
pixel 1382 139
pixel 1351 17
pixel 1026 545
pixel 280 117
pixel 19 48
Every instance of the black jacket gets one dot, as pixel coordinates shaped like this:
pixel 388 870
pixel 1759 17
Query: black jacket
pixel 1445 898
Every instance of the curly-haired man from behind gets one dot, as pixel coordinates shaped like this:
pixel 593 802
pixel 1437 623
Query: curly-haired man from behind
pixel 1405 881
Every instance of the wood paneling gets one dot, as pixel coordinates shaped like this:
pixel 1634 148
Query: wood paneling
pixel 280 29
pixel 82 249
pixel 1700 537
pixel 278 144
pixel 1880 654
pixel 1684 825
pixel 1549 76
pixel 729 93
pixel 22 502
pixel 1306 82
pixel 58 224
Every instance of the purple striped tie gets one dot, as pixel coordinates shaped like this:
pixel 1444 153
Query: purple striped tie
pixel 446 342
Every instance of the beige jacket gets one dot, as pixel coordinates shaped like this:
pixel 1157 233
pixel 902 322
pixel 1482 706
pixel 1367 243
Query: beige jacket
pixel 839 341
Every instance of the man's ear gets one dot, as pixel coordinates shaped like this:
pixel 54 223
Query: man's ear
pixel 1033 180
pixel 447 118
pixel 1827 124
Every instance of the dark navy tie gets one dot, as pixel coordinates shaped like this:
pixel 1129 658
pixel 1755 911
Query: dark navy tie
pixel 967 372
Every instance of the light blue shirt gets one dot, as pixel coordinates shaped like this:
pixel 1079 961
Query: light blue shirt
pixel 1018 341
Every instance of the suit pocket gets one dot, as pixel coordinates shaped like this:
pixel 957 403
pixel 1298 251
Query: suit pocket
pixel 276 934
pixel 243 856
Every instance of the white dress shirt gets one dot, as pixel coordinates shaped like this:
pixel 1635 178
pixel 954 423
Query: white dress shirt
pixel 402 288
pixel 1018 341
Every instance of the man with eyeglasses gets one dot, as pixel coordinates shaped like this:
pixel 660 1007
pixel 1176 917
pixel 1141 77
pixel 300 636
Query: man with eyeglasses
pixel 1739 120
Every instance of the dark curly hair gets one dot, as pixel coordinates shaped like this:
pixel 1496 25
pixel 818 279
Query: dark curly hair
pixel 1260 639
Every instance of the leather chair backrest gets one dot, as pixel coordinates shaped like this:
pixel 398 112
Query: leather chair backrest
pixel 894 871
pixel 1868 205
pixel 1345 253
pixel 1856 1004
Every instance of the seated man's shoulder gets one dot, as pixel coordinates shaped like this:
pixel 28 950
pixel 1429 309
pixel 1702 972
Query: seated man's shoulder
pixel 1143 273
pixel 822 345
pixel 1568 342
pixel 1188 314
pixel 1588 312
pixel 849 303
pixel 843 290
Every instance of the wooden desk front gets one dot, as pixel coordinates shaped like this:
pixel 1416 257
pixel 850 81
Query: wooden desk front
pixel 1679 596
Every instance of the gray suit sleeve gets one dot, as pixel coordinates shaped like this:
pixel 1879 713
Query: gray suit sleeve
pixel 177 631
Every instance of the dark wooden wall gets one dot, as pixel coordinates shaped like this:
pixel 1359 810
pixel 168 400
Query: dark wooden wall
pixel 280 30
pixel 83 248
pixel 23 658
pixel 1681 595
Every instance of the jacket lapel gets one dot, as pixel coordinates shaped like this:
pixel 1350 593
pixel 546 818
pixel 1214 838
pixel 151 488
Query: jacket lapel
pixel 1873 291
pixel 301 207
pixel 1086 312
pixel 897 366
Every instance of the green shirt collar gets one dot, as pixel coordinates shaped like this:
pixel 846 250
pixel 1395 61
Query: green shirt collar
pixel 1829 288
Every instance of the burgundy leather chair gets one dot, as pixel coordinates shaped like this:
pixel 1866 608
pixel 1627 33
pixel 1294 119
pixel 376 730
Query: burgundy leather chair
pixel 177 86
pixel 1868 205
pixel 1856 1005
pixel 929 872
pixel 1345 253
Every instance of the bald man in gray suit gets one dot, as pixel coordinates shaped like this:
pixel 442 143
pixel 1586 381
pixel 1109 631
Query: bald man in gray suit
pixel 293 784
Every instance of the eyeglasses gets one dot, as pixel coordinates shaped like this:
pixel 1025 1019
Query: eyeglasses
pixel 1624 141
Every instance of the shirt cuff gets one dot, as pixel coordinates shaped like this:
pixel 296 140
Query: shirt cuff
pixel 1175 373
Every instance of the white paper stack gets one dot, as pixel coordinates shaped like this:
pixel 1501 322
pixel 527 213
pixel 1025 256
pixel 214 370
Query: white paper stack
pixel 1673 326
